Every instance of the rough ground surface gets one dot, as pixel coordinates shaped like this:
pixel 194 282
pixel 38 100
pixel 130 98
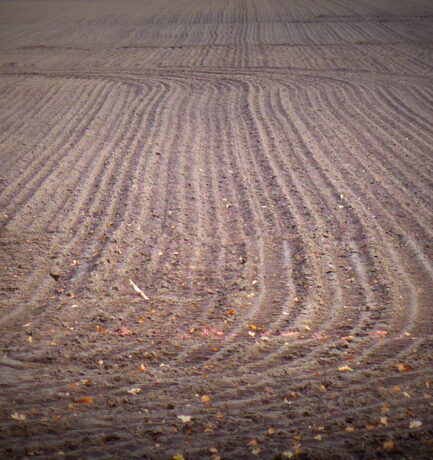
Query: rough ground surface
pixel 262 170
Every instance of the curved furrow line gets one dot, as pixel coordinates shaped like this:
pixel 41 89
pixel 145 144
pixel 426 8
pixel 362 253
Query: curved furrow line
pixel 239 32
pixel 16 164
pixel 163 155
pixel 335 291
pixel 270 204
pixel 103 137
pixel 172 211
pixel 420 138
pixel 409 65
pixel 10 89
pixel 183 203
pixel 39 170
pixel 86 162
pixel 46 283
pixel 374 173
pixel 147 205
pixel 156 219
pixel 349 134
pixel 191 195
pixel 219 225
pixel 370 119
pixel 369 32
pixel 113 173
pixel 20 96
pixel 330 262
pixel 147 171
pixel 232 193
pixel 222 202
pixel 379 179
pixel 422 98
pixel 331 168
pixel 424 93
pixel 321 32
pixel 369 301
pixel 399 207
pixel 382 349
pixel 60 172
pixel 363 349
pixel 419 120
pixel 225 193
pixel 205 257
pixel 117 183
pixel 357 320
pixel 238 329
pixel 32 280
pixel 329 357
pixel 289 310
pixel 275 267
pixel 114 209
pixel 175 226
pixel 198 57
pixel 382 379
pixel 45 104
pixel 421 256
pixel 20 100
pixel 413 121
pixel 262 172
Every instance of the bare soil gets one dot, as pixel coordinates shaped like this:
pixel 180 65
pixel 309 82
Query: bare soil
pixel 216 229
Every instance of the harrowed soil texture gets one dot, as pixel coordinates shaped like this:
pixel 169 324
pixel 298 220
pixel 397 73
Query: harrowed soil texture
pixel 216 229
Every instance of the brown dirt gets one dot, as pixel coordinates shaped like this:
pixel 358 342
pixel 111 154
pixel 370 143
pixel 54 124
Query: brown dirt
pixel 263 172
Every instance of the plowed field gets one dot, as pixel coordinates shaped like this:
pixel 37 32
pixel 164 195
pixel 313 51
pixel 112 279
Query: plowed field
pixel 216 229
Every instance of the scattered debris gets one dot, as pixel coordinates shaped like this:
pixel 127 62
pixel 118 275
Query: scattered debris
pixel 134 391
pixel 383 421
pixel 211 332
pixel 293 334
pixel 17 416
pixel 138 290
pixel 415 424
pixel 122 331
pixel 389 445
pixel 402 367
pixel 345 369
pixel 55 274
pixel 84 400
pixel 380 333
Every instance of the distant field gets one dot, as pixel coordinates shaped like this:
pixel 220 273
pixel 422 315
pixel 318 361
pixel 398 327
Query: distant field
pixel 216 229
